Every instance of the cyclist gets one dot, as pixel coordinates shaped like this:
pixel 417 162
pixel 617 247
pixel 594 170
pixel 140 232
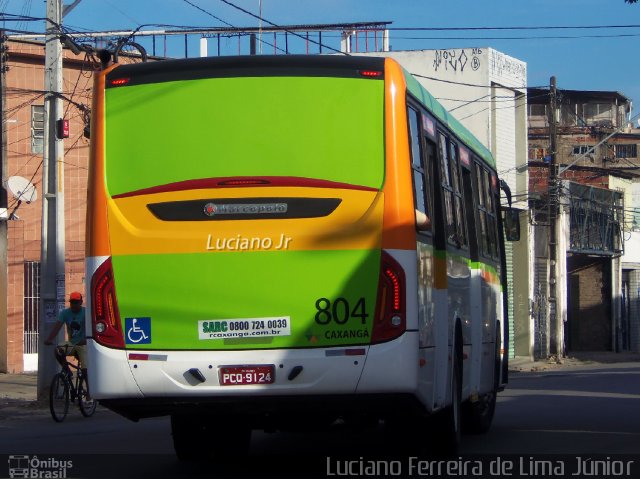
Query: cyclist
pixel 73 317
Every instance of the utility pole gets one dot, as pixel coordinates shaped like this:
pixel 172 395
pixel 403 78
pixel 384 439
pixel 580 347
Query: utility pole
pixel 260 26
pixel 555 323
pixel 52 278
pixel 4 227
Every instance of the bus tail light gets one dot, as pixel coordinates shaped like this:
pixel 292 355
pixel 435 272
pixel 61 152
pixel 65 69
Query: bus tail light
pixel 390 317
pixel 105 316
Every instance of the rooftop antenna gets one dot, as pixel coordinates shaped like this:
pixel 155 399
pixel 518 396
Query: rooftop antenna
pixel 22 190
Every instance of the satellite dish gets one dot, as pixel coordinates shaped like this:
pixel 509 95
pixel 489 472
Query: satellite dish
pixel 22 189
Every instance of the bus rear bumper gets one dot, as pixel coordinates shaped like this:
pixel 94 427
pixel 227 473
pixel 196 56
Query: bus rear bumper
pixel 149 383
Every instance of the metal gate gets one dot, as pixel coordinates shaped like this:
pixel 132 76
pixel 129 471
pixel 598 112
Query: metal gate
pixel 31 314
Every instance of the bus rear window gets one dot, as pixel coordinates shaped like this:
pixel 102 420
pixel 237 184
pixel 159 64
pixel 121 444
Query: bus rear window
pixel 311 127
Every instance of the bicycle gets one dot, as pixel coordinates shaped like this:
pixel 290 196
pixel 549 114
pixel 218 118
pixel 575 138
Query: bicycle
pixel 65 391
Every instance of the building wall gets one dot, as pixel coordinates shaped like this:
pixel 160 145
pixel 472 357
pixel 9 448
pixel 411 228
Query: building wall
pixel 523 305
pixel 626 186
pixel 539 176
pixel 24 88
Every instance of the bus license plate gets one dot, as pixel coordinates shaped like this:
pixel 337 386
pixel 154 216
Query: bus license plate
pixel 245 375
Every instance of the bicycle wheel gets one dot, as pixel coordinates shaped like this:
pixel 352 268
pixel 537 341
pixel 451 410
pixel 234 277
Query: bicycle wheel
pixel 129 52
pixel 87 406
pixel 59 398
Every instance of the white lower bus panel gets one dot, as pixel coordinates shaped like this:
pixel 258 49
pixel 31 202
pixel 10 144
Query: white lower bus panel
pixel 338 380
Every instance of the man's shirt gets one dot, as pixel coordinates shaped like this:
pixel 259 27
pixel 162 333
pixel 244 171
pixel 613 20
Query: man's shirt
pixel 75 325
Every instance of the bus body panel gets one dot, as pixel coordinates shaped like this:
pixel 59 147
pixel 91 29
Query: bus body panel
pixel 109 373
pixel 392 367
pixel 195 276
pixel 187 275
pixel 381 368
pixel 324 371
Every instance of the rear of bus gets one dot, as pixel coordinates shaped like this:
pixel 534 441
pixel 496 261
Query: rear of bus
pixel 250 237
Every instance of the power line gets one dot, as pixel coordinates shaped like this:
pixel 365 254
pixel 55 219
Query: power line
pixel 538 27
pixel 122 12
pixel 476 85
pixel 283 28
pixel 208 13
pixel 537 37
pixel 230 25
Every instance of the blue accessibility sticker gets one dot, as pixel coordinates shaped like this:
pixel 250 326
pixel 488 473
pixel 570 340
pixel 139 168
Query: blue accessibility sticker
pixel 138 330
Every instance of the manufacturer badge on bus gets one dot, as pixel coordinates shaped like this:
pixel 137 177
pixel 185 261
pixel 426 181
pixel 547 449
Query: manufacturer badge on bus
pixel 211 209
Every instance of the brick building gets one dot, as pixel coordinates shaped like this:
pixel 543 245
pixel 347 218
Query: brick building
pixel 20 249
pixel 597 152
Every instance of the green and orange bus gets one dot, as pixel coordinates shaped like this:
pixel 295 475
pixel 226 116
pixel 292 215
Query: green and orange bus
pixel 271 236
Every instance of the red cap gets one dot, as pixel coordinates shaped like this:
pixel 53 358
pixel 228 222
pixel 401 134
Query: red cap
pixel 75 296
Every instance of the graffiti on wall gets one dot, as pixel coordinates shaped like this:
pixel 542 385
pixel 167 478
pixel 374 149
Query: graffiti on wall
pixel 457 60
pixel 502 65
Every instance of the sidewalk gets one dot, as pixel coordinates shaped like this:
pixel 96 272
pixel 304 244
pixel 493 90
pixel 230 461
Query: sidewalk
pixel 18 395
pixel 20 387
pixel 581 359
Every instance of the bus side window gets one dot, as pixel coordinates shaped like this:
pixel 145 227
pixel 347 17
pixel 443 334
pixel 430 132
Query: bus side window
pixel 420 179
pixel 461 232
pixel 482 212
pixel 447 190
pixel 487 212
pixel 470 209
pixel 492 222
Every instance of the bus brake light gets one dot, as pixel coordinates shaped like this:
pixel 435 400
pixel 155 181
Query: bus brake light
pixel 119 81
pixel 390 318
pixel 371 73
pixel 105 317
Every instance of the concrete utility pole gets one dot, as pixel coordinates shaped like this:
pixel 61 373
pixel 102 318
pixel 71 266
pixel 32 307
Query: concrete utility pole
pixel 4 214
pixel 52 278
pixel 555 327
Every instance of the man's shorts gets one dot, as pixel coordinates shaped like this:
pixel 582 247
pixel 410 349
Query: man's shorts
pixel 80 350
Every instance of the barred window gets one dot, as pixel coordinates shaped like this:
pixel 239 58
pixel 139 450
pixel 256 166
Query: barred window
pixel 37 128
pixel 626 151
pixel 537 110
pixel 537 153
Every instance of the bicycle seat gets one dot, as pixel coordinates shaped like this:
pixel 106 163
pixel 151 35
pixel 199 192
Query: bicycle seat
pixel 65 350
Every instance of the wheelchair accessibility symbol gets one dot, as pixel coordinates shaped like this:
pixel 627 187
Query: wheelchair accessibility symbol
pixel 138 330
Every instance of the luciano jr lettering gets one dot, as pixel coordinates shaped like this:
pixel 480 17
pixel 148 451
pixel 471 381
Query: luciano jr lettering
pixel 243 243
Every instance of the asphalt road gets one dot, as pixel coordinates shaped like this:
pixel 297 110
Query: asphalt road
pixel 578 412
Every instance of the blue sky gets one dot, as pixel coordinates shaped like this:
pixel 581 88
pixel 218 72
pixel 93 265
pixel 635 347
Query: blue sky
pixel 578 63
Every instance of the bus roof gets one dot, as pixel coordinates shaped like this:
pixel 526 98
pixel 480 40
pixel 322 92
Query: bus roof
pixel 245 66
pixel 421 93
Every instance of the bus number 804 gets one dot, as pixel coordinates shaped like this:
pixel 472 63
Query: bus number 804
pixel 340 311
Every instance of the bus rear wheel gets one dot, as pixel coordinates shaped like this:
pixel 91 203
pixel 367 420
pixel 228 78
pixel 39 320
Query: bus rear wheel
pixel 447 423
pixel 478 415
pixel 197 437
